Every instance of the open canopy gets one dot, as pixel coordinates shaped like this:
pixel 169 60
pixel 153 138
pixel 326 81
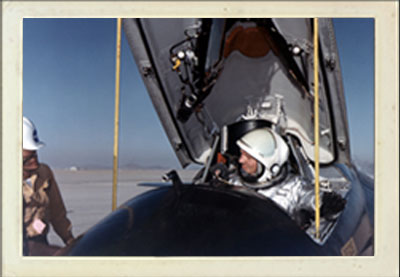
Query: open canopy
pixel 204 74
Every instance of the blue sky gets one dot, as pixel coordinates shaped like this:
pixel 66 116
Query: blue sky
pixel 69 86
pixel 355 40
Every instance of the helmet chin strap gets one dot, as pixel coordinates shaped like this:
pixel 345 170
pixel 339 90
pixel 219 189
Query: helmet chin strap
pixel 258 182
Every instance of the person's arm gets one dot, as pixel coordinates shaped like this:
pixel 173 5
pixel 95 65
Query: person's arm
pixel 331 204
pixel 58 214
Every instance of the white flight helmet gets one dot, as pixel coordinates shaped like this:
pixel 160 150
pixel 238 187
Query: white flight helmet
pixel 269 149
pixel 30 137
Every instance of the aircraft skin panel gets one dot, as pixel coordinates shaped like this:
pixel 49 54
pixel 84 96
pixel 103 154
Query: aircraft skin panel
pixel 161 39
pixel 333 77
pixel 348 225
pixel 147 70
pixel 296 31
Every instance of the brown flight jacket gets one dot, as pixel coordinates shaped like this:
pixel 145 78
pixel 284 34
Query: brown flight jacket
pixel 43 201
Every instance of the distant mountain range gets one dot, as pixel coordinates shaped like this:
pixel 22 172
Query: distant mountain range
pixel 137 166
pixel 367 167
pixel 107 167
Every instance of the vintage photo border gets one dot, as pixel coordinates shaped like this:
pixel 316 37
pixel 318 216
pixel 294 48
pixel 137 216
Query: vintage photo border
pixel 383 263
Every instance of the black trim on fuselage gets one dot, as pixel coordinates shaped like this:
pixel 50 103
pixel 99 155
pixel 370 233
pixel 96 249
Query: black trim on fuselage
pixel 202 221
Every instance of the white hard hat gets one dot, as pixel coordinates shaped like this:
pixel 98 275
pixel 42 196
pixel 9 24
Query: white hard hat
pixel 30 137
pixel 268 148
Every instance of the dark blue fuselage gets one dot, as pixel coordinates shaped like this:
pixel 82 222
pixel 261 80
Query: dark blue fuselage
pixel 200 220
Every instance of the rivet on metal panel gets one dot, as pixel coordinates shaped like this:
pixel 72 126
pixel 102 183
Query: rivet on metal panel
pixel 177 146
pixel 342 143
pixel 331 63
pixel 147 70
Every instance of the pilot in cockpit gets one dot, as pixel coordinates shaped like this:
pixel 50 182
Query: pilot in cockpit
pixel 264 167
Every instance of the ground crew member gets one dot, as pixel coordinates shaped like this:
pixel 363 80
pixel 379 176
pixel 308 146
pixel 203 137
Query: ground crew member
pixel 43 204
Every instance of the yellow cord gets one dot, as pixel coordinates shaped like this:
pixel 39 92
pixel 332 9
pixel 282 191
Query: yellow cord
pixel 116 115
pixel 177 64
pixel 316 128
